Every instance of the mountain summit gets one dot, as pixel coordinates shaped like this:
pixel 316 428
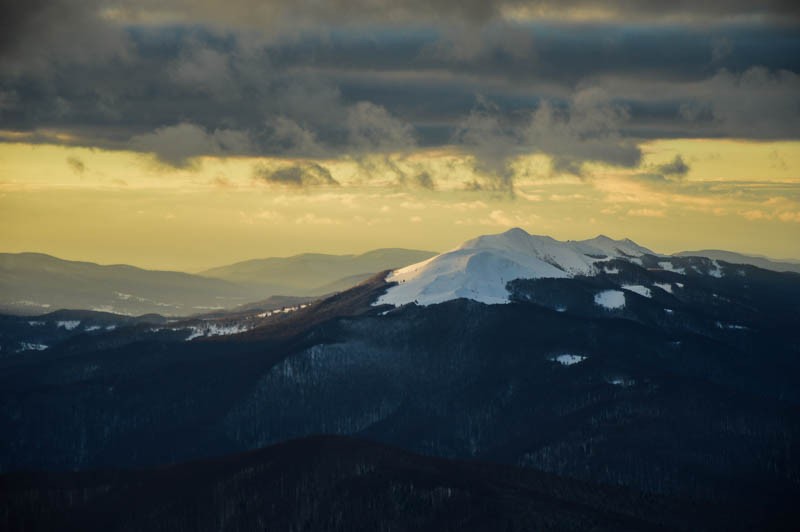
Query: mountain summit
pixel 480 268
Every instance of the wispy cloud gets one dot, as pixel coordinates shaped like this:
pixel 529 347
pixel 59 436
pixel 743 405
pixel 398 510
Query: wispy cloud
pixel 76 165
pixel 298 175
pixel 176 145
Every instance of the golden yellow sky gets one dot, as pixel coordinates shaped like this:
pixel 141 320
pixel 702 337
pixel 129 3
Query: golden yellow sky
pixel 124 207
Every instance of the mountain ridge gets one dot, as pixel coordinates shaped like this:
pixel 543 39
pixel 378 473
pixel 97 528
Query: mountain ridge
pixel 315 273
pixel 480 268
pixel 741 258
pixel 35 283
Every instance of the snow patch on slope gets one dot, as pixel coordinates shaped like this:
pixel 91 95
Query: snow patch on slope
pixel 638 289
pixel 610 299
pixel 214 329
pixel 568 359
pixel 284 310
pixel 668 266
pixel 623 382
pixel 25 346
pixel 731 326
pixel 667 287
pixel 715 270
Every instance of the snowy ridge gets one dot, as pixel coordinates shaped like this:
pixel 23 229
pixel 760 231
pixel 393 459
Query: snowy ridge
pixel 480 268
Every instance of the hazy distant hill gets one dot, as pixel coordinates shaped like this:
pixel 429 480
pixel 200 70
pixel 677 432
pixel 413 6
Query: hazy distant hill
pixel 34 283
pixel 738 258
pixel 315 273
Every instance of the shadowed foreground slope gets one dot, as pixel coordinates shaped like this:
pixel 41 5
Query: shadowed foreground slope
pixel 334 483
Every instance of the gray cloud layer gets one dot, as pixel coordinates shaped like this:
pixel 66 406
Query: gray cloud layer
pixel 303 14
pixel 176 145
pixel 390 77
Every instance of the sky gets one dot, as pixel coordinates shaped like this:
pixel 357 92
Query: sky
pixel 186 135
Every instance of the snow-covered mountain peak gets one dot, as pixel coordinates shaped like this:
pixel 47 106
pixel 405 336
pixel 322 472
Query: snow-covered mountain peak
pixel 480 268
pixel 604 245
pixel 513 239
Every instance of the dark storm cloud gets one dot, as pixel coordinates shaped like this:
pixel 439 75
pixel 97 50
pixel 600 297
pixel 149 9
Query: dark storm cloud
pixel 757 103
pixel 295 15
pixel 177 145
pixel 556 53
pixel 184 74
pixel 684 9
pixel 388 77
pixel 425 180
pixel 587 128
pixel 677 167
pixel 76 164
pixel 303 14
pixel 373 129
pixel 299 175
pixel 34 33
pixel 18 17
pixel 666 174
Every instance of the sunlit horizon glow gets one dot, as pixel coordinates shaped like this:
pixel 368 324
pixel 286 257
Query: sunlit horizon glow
pixel 124 207
pixel 187 135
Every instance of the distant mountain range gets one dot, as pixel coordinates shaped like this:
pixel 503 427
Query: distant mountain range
pixel 596 360
pixel 34 283
pixel 314 273
pixel 738 258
